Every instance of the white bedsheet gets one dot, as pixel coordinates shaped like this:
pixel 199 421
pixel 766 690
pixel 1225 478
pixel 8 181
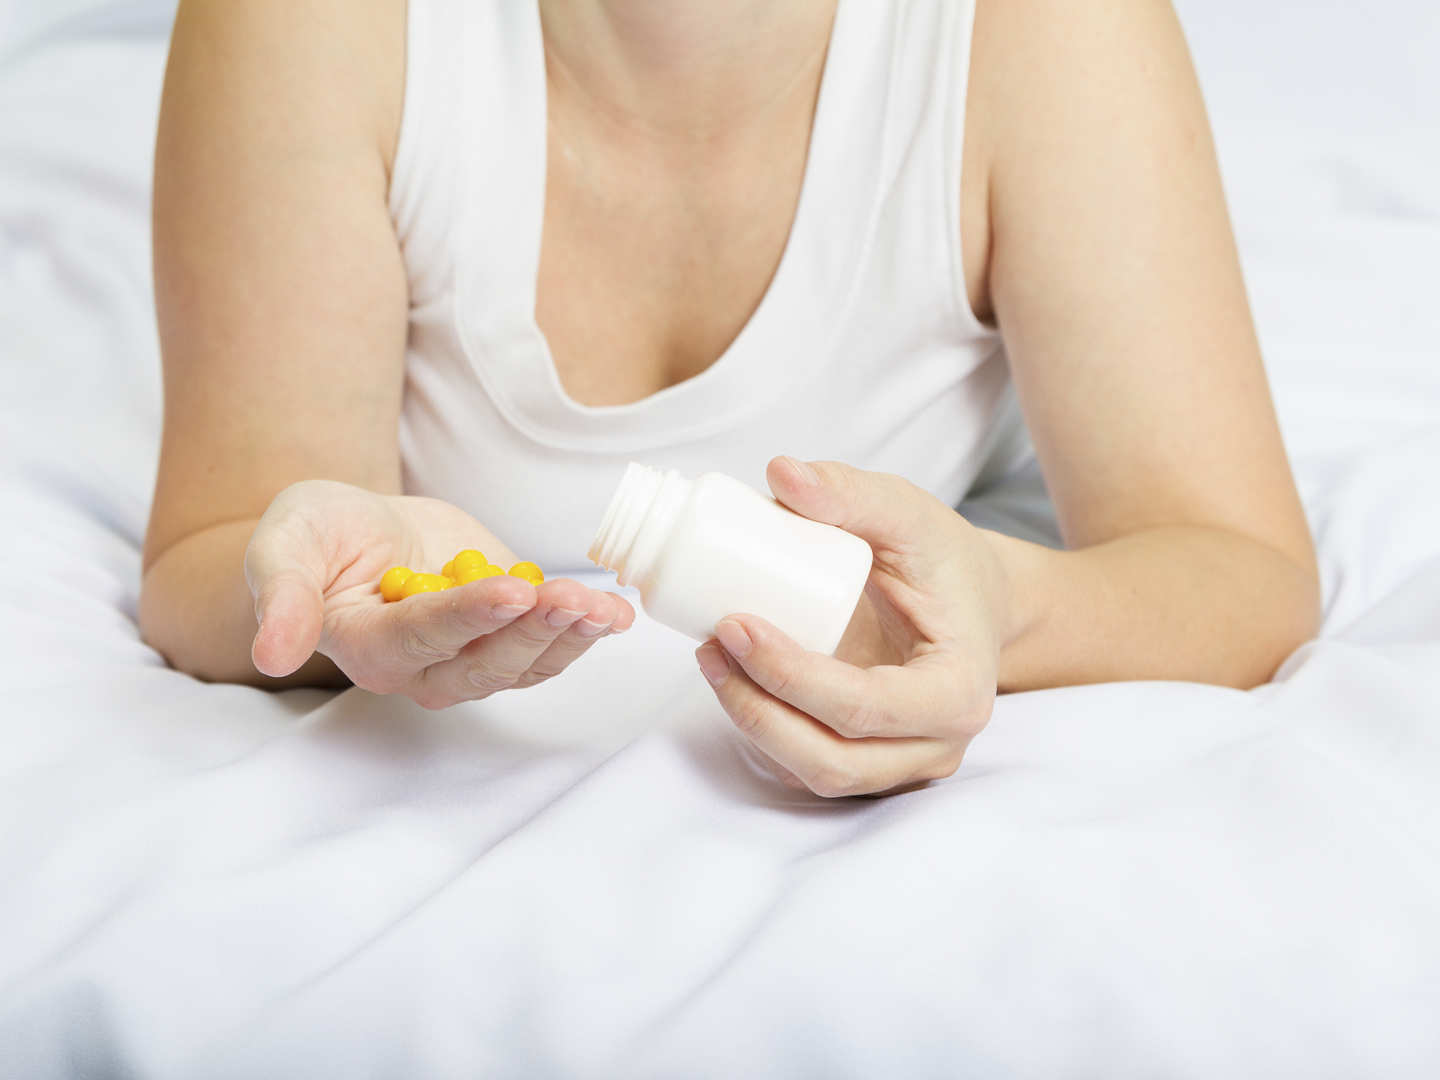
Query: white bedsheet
pixel 1146 879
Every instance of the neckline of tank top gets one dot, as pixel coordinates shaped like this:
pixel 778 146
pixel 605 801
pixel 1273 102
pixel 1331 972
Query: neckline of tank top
pixel 797 321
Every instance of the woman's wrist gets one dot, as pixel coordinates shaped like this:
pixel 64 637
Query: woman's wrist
pixel 197 611
pixel 1181 602
pixel 1015 589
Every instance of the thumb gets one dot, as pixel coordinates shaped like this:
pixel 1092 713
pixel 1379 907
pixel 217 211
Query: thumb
pixel 880 508
pixel 289 601
pixel 290 612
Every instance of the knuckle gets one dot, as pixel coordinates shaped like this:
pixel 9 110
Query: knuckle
pixel 376 679
pixel 957 707
pixel 967 718
pixel 417 647
pixel 980 713
pixel 382 684
pixel 859 720
pixel 434 700
pixel 844 479
pixel 835 780
pixel 575 646
pixel 524 636
pixel 532 677
pixel 948 764
pixel 749 715
pixel 485 680
pixel 547 667
pixel 783 681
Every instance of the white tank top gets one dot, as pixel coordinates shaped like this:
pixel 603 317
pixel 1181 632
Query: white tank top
pixel 864 349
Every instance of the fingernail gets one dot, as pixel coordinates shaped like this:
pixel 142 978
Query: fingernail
pixel 713 664
pixel 807 474
pixel 560 617
pixel 508 611
pixel 733 636
pixel 586 628
pixel 620 629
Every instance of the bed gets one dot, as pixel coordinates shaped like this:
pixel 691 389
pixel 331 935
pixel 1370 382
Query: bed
pixel 1125 880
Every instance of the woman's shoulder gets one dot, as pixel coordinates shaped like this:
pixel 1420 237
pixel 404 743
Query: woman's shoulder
pixel 1039 65
pixel 1059 89
pixel 312 71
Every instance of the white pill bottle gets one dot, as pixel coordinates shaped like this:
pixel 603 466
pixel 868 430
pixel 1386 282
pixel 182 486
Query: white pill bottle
pixel 699 550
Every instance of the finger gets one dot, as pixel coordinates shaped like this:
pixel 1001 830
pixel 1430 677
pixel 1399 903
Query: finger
pixel 625 617
pixel 826 762
pixel 576 640
pixel 877 507
pixel 933 695
pixel 285 568
pixel 290 610
pixel 428 628
pixel 496 661
pixel 784 775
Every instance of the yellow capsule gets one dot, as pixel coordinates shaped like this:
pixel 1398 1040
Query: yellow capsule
pixel 467 559
pixel 394 581
pixel 529 571
pixel 475 573
pixel 418 583
pixel 448 570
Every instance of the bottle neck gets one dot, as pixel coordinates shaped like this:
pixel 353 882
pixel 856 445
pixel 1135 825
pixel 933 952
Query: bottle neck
pixel 638 523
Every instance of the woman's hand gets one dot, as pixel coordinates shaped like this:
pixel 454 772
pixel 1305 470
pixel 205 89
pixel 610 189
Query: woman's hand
pixel 914 679
pixel 314 565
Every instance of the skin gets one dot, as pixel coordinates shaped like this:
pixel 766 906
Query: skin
pixel 1094 233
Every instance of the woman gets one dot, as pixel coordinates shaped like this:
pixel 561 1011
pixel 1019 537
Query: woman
pixel 486 252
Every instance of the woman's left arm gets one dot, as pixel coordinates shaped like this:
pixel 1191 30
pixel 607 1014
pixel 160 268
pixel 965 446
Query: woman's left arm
pixel 1107 260
pixel 1114 277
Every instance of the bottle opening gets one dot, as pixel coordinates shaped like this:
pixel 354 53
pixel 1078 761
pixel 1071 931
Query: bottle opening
pixel 638 521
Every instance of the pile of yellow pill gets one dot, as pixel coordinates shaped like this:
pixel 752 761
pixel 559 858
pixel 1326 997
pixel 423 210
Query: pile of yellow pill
pixel 470 565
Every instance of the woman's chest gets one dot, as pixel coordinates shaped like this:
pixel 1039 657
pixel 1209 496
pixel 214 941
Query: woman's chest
pixel 656 250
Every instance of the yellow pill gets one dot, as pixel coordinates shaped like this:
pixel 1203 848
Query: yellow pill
pixel 418 583
pixel 466 560
pixel 475 573
pixel 529 571
pixel 448 570
pixel 394 581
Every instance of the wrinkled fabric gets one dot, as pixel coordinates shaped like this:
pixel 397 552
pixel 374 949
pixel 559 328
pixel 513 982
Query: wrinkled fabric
pixel 596 877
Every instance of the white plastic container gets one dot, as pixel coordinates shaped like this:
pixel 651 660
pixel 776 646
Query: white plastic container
pixel 699 550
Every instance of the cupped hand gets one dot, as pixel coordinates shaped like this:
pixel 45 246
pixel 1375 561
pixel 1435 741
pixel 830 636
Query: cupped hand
pixel 314 565
pixel 914 679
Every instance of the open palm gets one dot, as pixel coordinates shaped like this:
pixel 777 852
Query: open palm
pixel 314 566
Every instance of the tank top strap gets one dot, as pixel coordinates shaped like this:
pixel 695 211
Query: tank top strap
pixel 469 176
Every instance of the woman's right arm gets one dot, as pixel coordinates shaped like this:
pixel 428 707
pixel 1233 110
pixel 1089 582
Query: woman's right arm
pixel 280 293
pixel 283 311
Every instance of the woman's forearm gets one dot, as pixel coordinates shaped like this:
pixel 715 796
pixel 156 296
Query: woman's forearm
pixel 1177 603
pixel 198 612
pixel 309 570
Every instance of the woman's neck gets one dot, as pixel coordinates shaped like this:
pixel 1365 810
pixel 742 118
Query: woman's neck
pixel 686 69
